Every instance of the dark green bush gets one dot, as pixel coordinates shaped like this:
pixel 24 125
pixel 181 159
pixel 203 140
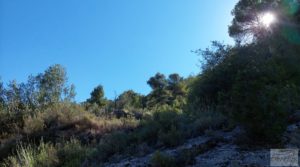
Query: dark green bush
pixel 162 160
pixel 172 137
pixel 111 144
pixel 257 85
pixel 72 153
pixel 66 154
pixel 45 155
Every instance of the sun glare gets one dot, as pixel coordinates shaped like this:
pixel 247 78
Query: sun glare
pixel 267 19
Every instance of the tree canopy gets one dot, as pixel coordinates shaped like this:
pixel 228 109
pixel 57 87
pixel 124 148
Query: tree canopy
pixel 97 96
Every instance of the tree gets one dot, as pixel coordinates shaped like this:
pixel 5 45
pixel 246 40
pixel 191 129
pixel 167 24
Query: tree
pixel 39 91
pixel 2 95
pixel 129 99
pixel 247 22
pixel 174 79
pixel 13 97
pixel 52 85
pixel 69 93
pixel 214 55
pixel 30 92
pixel 178 89
pixel 159 97
pixel 158 81
pixel 255 84
pixel 166 91
pixel 97 96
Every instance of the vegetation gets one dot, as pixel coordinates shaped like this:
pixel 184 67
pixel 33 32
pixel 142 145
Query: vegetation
pixel 253 84
pixel 257 84
pixel 161 160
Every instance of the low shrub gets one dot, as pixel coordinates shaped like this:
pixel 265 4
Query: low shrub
pixel 111 144
pixel 10 123
pixel 72 153
pixel 162 160
pixel 33 124
pixel 68 154
pixel 171 138
pixel 206 120
pixel 29 156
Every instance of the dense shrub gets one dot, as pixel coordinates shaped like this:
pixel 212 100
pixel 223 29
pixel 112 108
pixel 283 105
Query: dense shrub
pixel 111 144
pixel 33 124
pixel 29 156
pixel 252 84
pixel 72 153
pixel 66 154
pixel 162 160
pixel 172 137
pixel 206 120
pixel 10 123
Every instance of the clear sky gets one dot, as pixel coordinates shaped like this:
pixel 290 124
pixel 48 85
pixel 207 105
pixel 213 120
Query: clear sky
pixel 117 43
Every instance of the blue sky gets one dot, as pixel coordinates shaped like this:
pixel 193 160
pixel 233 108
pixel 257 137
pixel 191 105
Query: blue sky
pixel 117 43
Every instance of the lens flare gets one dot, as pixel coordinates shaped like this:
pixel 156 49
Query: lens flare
pixel 267 19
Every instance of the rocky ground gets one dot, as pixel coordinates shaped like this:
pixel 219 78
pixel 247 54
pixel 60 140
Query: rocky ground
pixel 217 149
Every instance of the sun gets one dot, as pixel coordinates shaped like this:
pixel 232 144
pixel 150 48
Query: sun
pixel 267 19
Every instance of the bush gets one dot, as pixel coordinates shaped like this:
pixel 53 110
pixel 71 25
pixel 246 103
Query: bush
pixel 29 156
pixel 262 111
pixel 206 120
pixel 162 160
pixel 33 124
pixel 254 85
pixel 67 154
pixel 10 123
pixel 147 132
pixel 171 138
pixel 164 126
pixel 111 144
pixel 72 153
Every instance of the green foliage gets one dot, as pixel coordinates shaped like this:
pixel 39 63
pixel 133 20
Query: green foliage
pixel 206 120
pixel 267 100
pixel 171 138
pixel 2 95
pixel 129 99
pixel 254 84
pixel 10 123
pixel 67 154
pixel 97 96
pixel 217 76
pixel 213 56
pixel 72 153
pixel 28 156
pixel 166 91
pixel 33 124
pixel 13 97
pixel 52 86
pixel 162 160
pixel 111 144
pixel 246 18
pixel 159 81
pixel 246 23
pixel 39 91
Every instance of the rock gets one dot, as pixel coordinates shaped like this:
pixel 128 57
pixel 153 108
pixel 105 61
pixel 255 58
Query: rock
pixel 291 136
pixel 231 155
pixel 208 151
pixel 292 128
